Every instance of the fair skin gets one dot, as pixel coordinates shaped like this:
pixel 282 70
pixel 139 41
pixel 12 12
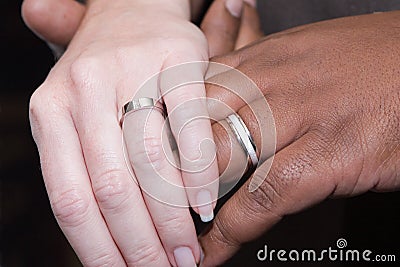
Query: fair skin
pixel 75 118
pixel 337 128
pixel 106 217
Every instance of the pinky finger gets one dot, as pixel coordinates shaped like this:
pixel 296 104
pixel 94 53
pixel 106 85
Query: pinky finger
pixel 250 27
pixel 221 26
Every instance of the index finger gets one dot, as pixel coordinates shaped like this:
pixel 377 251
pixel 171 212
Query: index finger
pixel 292 184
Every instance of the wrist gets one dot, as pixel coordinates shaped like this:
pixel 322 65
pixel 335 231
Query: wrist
pixel 179 8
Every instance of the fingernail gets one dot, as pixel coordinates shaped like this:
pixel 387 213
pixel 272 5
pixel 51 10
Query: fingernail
pixel 234 7
pixel 205 207
pixel 252 3
pixel 184 257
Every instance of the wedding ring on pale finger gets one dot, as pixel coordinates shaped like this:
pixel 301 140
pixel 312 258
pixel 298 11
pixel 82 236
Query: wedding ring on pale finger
pixel 244 138
pixel 140 103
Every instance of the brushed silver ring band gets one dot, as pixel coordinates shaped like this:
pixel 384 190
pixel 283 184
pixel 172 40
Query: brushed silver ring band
pixel 140 103
pixel 244 138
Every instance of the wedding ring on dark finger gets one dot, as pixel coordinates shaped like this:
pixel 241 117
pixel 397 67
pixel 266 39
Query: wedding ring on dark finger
pixel 244 138
pixel 141 103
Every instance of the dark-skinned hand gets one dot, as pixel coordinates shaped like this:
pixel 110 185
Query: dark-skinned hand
pixel 334 90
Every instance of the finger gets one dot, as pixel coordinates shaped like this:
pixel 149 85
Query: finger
pixel 54 21
pixel 243 83
pixel 221 25
pixel 230 90
pixel 153 164
pixel 68 185
pixel 118 196
pixel 191 127
pixel 250 26
pixel 273 125
pixel 232 159
pixel 229 87
pixel 300 176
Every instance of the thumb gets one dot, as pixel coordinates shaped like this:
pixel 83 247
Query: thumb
pixel 54 21
pixel 297 178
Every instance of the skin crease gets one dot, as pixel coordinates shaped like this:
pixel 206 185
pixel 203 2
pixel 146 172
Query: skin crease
pixel 334 91
pixel 73 148
pixel 43 17
pixel 35 18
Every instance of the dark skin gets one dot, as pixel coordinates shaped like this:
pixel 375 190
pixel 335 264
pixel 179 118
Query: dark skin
pixel 334 90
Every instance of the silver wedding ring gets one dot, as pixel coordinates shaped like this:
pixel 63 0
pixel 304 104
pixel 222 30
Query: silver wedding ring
pixel 244 138
pixel 141 103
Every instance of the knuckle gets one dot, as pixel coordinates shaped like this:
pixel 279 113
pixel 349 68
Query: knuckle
pixel 265 198
pixel 124 54
pixel 278 182
pixel 340 150
pixel 84 72
pixel 104 259
pixel 150 152
pixel 221 234
pixel 46 99
pixel 71 207
pixel 112 189
pixel 146 254
pixel 45 106
pixel 154 150
pixel 38 103
pixel 35 107
pixel 171 224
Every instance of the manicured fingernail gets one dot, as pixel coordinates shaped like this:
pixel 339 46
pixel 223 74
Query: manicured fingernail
pixel 234 7
pixel 252 3
pixel 204 201
pixel 184 257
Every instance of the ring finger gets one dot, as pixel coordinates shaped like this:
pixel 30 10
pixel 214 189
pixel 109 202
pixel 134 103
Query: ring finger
pixel 151 158
pixel 118 196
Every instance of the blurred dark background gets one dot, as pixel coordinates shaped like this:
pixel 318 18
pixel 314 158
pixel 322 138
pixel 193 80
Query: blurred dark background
pixel 29 235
